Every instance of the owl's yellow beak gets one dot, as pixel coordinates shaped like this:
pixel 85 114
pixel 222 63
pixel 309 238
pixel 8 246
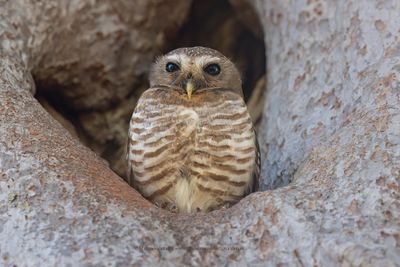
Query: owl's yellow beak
pixel 189 89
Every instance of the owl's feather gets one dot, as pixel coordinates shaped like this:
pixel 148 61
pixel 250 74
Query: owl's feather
pixel 195 155
pixel 199 153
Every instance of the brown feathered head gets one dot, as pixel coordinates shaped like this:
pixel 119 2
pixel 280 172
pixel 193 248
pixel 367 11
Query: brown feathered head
pixel 195 68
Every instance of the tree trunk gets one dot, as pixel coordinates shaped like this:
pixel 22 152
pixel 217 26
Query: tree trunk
pixel 329 136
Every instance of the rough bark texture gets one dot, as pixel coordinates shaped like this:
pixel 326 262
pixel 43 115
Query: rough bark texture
pixel 91 58
pixel 331 125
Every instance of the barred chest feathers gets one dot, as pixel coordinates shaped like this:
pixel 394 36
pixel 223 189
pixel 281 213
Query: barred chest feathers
pixel 198 155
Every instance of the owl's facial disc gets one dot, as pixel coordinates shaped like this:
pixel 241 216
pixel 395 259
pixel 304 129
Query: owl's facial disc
pixel 190 70
pixel 192 73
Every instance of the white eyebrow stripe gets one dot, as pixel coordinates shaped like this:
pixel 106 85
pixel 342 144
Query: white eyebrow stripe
pixel 175 58
pixel 183 60
pixel 202 61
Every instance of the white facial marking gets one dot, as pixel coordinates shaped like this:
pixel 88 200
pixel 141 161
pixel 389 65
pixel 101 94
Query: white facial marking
pixel 182 59
pixel 203 61
pixel 199 62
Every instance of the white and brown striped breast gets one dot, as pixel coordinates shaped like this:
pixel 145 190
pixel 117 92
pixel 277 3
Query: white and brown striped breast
pixel 198 154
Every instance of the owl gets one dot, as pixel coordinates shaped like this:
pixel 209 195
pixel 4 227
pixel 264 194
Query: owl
pixel 192 145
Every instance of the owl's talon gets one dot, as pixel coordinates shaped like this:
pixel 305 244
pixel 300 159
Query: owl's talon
pixel 172 207
pixel 226 206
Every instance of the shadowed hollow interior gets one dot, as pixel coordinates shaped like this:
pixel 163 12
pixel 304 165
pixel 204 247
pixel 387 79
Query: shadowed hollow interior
pixel 215 24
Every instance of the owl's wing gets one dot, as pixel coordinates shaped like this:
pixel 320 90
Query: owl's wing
pixel 129 173
pixel 257 167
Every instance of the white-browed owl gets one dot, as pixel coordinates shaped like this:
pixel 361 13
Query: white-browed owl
pixel 192 145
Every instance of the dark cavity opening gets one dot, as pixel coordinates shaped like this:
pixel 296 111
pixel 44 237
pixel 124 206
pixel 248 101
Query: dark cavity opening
pixel 231 27
pixel 222 26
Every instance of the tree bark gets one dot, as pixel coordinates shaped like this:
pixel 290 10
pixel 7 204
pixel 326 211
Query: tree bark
pixel 330 127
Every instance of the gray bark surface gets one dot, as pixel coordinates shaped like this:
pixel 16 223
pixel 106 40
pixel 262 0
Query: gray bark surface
pixel 330 125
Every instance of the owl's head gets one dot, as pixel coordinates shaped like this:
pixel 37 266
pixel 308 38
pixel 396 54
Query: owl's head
pixel 193 69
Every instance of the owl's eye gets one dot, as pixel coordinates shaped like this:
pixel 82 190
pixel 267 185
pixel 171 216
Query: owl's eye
pixel 171 67
pixel 213 69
